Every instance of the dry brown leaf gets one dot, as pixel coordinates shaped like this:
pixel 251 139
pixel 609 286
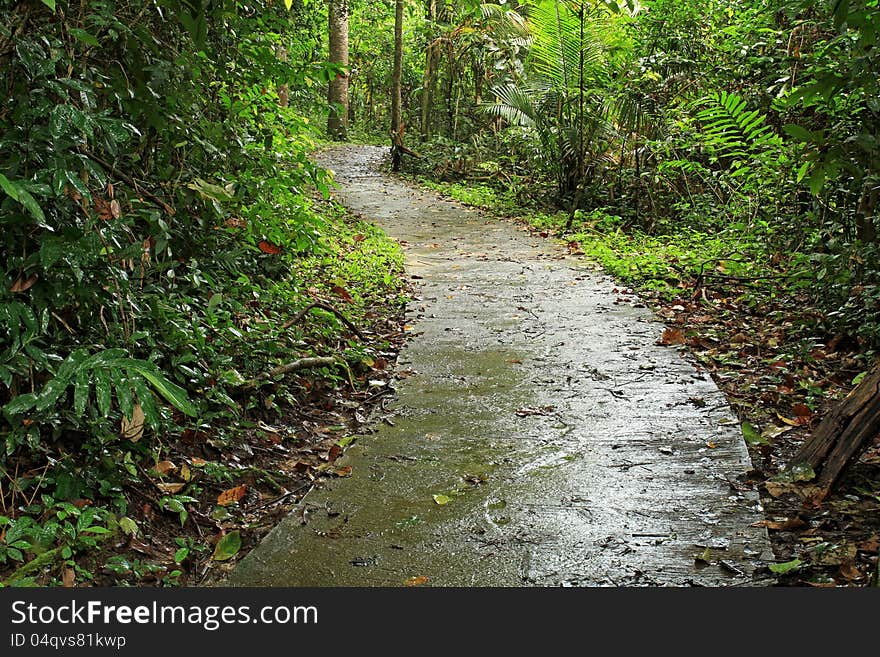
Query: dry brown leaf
pixel 171 488
pixel 231 495
pixel 68 577
pixel 197 462
pixel 23 284
pixel 342 293
pixel 416 581
pixel 780 525
pixel 802 410
pixel 344 471
pixel 115 209
pixel 164 467
pixel 133 428
pixel 671 336
pixel 334 453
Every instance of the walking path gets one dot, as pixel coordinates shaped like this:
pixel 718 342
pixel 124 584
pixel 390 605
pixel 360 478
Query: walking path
pixel 542 439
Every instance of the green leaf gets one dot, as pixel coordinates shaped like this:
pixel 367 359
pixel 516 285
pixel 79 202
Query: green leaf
pixel 81 391
pixel 21 195
pixel 799 133
pixel 857 379
pixel 50 4
pixel 147 402
pixel 787 567
pixel 21 404
pixel 122 386
pixel 752 436
pixel 128 525
pixel 82 35
pixel 95 529
pixel 228 546
pixel 181 554
pixel 173 393
pixel 442 499
pixel 103 393
pixel 288 4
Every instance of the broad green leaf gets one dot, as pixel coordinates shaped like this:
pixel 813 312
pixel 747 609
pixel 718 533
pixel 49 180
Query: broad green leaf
pixel 128 525
pixel 857 379
pixel 21 404
pixel 787 567
pixel 752 436
pixel 798 132
pixel 147 402
pixel 174 394
pixel 81 391
pixel 24 197
pixel 228 546
pixel 9 187
pixel 103 394
pixel 122 386
pixel 83 36
pixel 442 499
pixel 288 4
pixel 50 4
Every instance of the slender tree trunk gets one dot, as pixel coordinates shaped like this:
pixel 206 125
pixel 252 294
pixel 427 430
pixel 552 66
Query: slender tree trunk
pixel 398 67
pixel 396 100
pixel 431 62
pixel 337 96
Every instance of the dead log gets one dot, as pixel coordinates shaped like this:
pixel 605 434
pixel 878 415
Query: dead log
pixel 843 434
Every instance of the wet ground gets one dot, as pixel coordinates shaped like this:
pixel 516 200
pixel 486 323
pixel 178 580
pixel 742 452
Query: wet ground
pixel 540 436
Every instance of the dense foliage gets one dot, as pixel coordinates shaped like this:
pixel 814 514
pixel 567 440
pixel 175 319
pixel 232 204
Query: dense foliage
pixel 158 207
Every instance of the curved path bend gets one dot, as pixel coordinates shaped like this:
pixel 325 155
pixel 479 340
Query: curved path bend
pixel 563 445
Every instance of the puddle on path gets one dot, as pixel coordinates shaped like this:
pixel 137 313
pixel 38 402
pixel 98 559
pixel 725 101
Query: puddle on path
pixel 569 449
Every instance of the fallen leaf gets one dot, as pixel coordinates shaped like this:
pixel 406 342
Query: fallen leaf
pixel 171 488
pixel 128 525
pixel 164 467
pixel 751 435
pixel 780 525
pixel 185 472
pixel 442 499
pixel 802 410
pixel 115 209
pixel 359 238
pixel 344 471
pixel 231 495
pixel 334 453
pixel 342 293
pixel 69 577
pixel 235 222
pixel 197 462
pixel 793 423
pixel 671 336
pixel 23 284
pixel 832 554
pixel 228 546
pixel 416 581
pixel 786 567
pixel 133 429
pixel 772 432
pixel 268 247
pixel 849 572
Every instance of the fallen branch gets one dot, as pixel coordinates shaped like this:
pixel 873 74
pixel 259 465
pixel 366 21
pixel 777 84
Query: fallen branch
pixel 330 309
pixel 287 368
pixel 842 435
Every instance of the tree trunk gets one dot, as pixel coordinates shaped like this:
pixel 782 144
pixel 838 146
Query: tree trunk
pixel 843 434
pixel 398 68
pixel 337 96
pixel 432 59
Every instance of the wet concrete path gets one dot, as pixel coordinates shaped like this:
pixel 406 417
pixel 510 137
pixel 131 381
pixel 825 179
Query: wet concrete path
pixel 568 448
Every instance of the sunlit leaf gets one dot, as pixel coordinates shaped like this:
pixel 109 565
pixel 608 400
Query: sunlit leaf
pixel 228 546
